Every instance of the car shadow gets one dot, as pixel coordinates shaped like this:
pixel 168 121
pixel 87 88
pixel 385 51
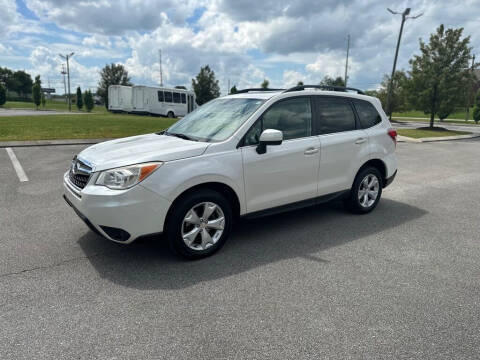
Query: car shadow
pixel 147 263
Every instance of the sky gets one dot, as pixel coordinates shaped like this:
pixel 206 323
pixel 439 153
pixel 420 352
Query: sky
pixel 243 41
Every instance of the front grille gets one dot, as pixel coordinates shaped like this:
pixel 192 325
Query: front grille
pixel 79 173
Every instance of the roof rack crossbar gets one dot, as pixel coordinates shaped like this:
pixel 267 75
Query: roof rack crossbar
pixel 324 87
pixel 256 89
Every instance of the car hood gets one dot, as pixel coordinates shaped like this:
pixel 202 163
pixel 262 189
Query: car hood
pixel 140 149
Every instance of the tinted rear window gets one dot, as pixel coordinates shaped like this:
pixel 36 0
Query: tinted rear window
pixel 367 113
pixel 334 115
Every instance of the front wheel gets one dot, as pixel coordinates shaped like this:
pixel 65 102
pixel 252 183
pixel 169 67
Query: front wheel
pixel 199 224
pixel 366 191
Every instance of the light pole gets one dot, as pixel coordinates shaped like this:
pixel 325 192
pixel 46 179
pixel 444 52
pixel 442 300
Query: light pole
pixel 390 86
pixel 346 62
pixel 67 57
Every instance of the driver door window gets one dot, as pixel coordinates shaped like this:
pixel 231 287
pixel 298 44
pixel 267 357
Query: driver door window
pixel 293 117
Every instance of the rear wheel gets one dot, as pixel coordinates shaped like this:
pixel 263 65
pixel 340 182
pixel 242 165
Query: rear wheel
pixel 199 224
pixel 171 114
pixel 366 191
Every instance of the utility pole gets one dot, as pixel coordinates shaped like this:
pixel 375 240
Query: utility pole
pixel 405 16
pixel 346 62
pixel 469 93
pixel 64 82
pixel 161 75
pixel 67 57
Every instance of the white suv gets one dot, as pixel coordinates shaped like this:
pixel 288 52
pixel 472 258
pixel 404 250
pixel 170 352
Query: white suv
pixel 252 153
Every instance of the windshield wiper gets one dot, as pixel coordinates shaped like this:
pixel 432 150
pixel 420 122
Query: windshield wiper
pixel 181 136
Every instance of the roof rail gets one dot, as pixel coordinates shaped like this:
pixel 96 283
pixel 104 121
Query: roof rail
pixel 256 89
pixel 324 87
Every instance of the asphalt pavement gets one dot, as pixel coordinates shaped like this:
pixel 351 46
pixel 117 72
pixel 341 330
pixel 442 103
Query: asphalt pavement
pixel 401 282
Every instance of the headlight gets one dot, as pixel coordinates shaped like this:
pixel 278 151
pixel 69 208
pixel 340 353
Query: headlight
pixel 126 177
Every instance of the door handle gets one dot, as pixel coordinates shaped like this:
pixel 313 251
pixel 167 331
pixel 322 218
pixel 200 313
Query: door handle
pixel 360 141
pixel 311 151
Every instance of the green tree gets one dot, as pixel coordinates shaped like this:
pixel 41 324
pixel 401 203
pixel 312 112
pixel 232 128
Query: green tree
pixel 79 100
pixel 21 83
pixel 88 100
pixel 112 74
pixel 3 94
pixel 43 100
pixel 400 95
pixel 233 90
pixel 329 81
pixel 36 94
pixel 438 74
pixel 300 83
pixel 205 85
pixel 265 84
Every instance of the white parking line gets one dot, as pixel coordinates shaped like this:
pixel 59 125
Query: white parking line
pixel 16 165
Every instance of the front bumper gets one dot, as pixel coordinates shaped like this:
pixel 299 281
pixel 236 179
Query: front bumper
pixel 118 215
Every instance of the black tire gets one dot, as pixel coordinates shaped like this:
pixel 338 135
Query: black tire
pixel 352 202
pixel 171 114
pixel 174 223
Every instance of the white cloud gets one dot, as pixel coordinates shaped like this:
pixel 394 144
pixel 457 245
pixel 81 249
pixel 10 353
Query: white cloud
pixel 111 17
pixel 8 15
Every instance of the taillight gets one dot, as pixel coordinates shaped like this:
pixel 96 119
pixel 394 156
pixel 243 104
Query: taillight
pixel 393 134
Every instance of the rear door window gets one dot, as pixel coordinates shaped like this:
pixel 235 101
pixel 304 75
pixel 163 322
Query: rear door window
pixel 334 115
pixel 184 99
pixel 367 113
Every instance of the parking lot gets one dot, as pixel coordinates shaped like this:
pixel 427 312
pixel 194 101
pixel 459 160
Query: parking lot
pixel 401 282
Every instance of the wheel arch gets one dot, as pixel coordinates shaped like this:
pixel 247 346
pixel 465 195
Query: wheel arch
pixel 379 165
pixel 220 187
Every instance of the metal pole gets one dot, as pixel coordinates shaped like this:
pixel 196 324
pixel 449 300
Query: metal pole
pixel 161 75
pixel 64 82
pixel 68 76
pixel 390 87
pixel 346 62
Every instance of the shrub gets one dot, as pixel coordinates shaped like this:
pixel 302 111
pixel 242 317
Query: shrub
pixel 79 99
pixel 36 94
pixel 44 101
pixel 3 95
pixel 476 113
pixel 88 100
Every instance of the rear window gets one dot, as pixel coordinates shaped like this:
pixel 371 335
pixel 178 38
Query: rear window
pixel 367 113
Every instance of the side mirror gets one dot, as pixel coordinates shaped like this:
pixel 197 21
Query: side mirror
pixel 269 137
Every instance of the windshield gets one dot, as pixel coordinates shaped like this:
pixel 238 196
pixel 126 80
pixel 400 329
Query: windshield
pixel 216 120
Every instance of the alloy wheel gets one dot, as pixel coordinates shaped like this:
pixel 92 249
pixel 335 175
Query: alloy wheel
pixel 203 226
pixel 368 190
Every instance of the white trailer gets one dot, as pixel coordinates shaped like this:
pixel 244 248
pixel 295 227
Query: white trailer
pixel 163 101
pixel 120 98
pixel 140 99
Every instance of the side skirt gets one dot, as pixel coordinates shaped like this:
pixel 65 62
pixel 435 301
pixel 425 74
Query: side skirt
pixel 297 205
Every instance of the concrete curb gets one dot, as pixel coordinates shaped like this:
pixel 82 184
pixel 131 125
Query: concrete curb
pixel 433 139
pixel 4 144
